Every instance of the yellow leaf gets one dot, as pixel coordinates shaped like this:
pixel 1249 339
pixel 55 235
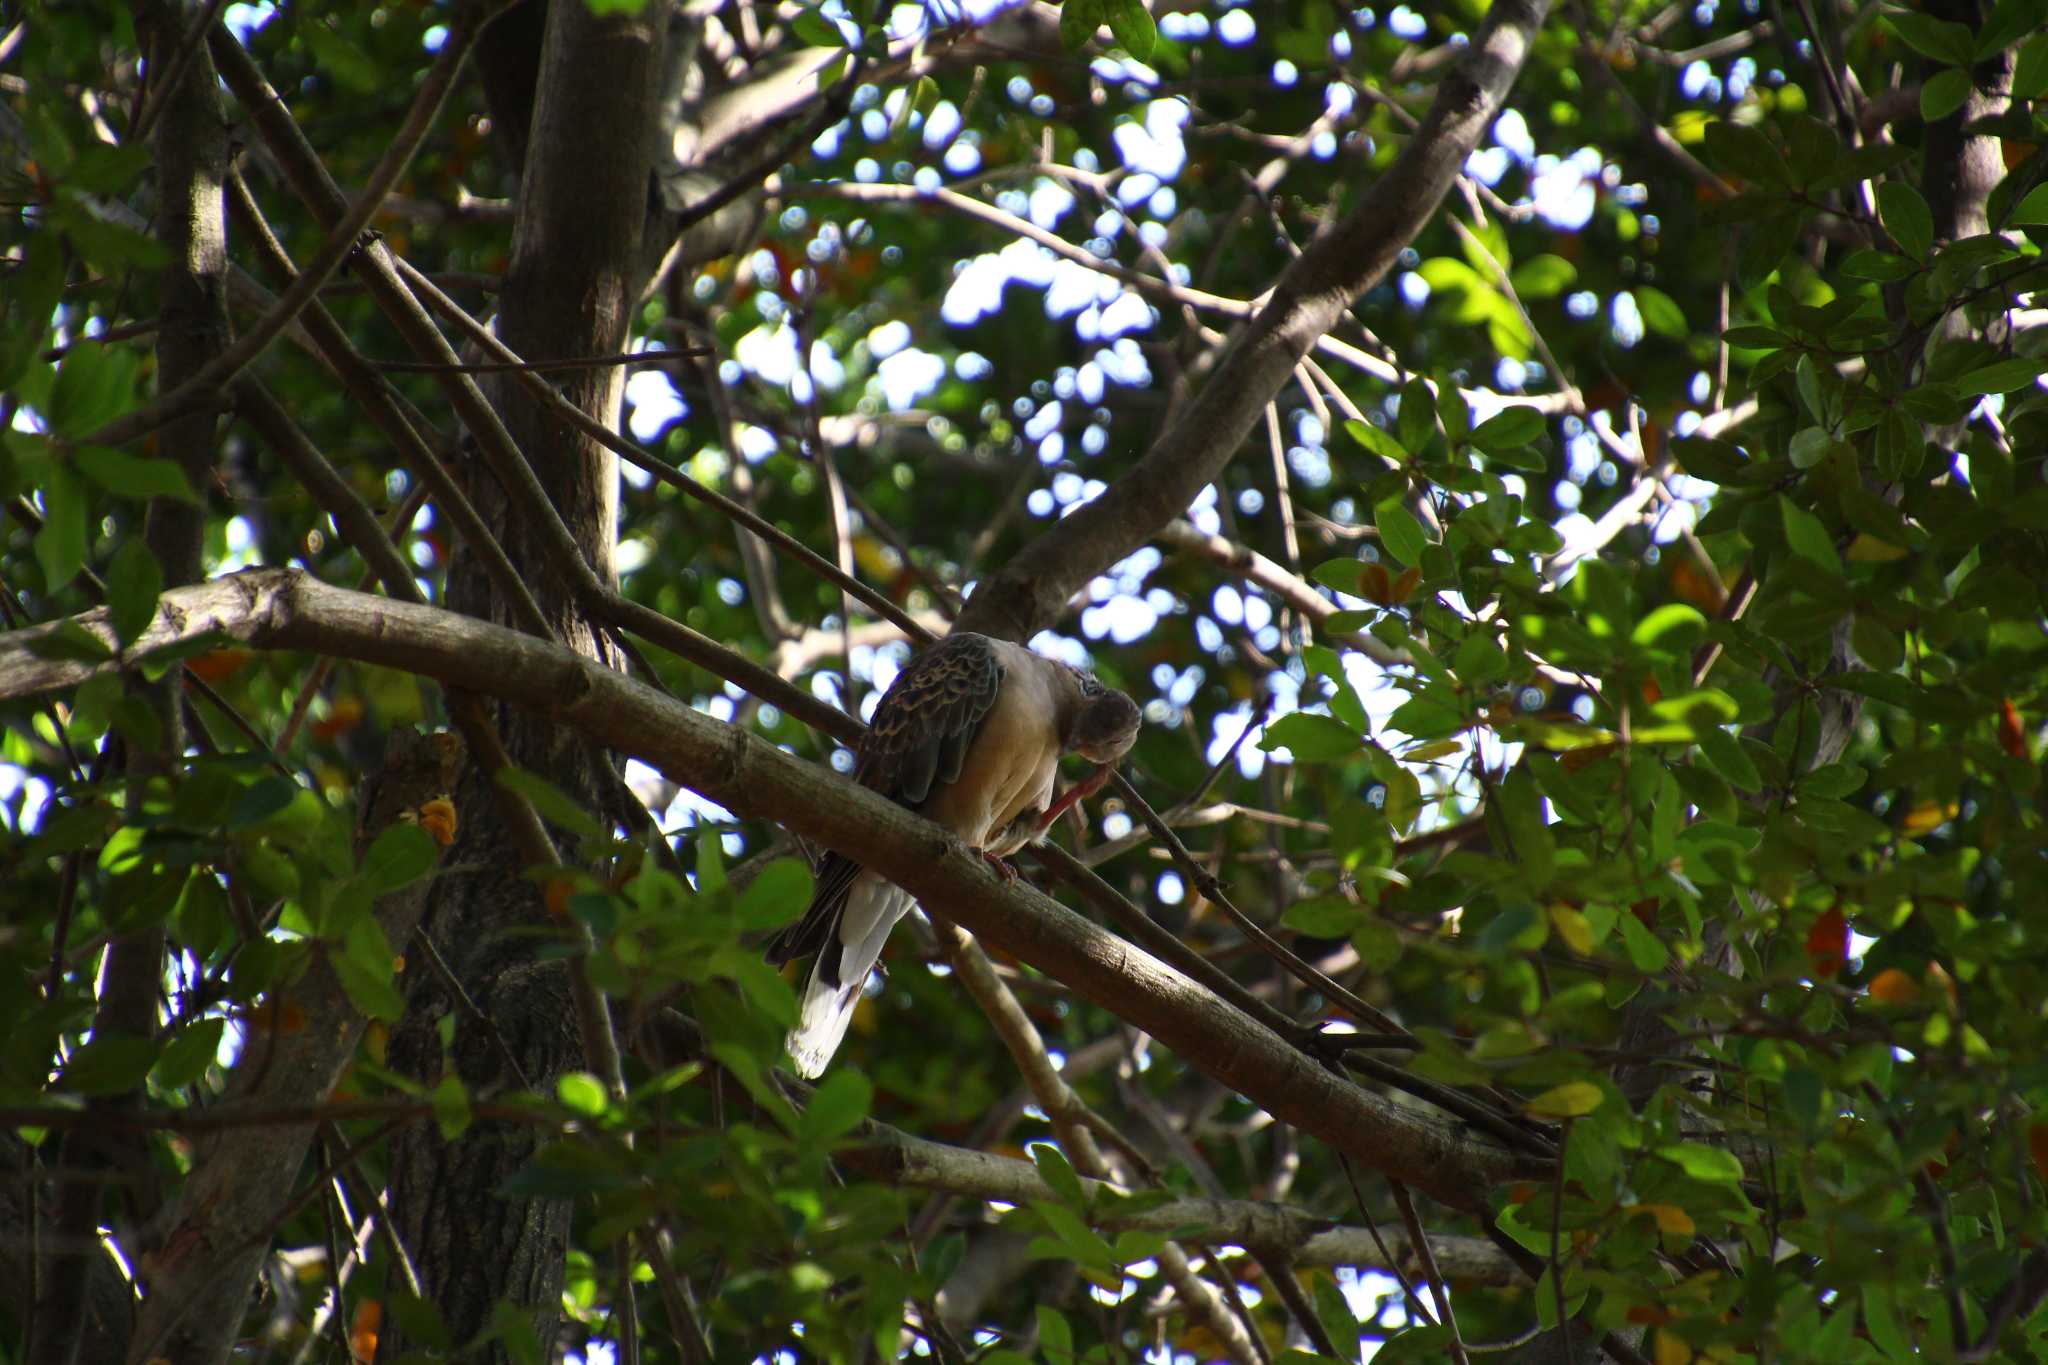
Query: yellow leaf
pixel 1672 1220
pixel 1929 815
pixel 1437 749
pixel 1673 1349
pixel 1868 549
pixel 1574 928
pixel 1571 1100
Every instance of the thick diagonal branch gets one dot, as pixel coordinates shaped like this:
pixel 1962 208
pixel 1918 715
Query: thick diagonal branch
pixel 285 609
pixel 1029 592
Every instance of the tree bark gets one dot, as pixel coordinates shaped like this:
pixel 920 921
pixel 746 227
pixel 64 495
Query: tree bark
pixel 572 284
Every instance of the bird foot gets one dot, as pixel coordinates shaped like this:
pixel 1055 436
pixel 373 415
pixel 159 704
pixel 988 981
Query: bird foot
pixel 1000 864
pixel 1086 787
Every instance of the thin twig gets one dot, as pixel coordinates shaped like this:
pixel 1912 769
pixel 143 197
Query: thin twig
pixel 592 362
pixel 1418 1238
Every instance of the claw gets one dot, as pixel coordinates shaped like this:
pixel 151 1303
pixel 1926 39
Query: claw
pixel 1000 864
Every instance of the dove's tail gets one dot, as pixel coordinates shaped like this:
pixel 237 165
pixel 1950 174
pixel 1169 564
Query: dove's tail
pixel 833 988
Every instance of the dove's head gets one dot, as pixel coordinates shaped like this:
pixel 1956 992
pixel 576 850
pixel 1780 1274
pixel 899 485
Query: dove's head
pixel 1106 723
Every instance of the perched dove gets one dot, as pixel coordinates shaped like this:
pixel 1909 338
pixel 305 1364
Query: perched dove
pixel 970 735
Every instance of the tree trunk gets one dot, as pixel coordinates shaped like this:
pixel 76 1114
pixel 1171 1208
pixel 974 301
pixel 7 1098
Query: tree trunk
pixel 570 291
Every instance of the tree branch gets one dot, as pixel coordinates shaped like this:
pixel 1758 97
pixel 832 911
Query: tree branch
pixel 1029 592
pixel 286 609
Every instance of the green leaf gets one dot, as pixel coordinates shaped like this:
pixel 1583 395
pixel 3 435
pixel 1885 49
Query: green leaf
pixel 1906 218
pixel 1323 917
pixel 1055 1337
pixel 710 862
pixel 1936 38
pixel 1058 1172
pixel 551 801
pixel 1375 440
pixel 1810 445
pixel 400 855
pixel 1415 417
pixel 1943 93
pixel 1702 1162
pixel 2010 21
pixel 420 1320
pixel 1661 313
pixel 1807 537
pixel 1745 152
pixel 1572 1100
pixel 1704 458
pixel 190 1053
pixel 1876 643
pixel 1130 23
pixel 1134 1244
pixel 2030 81
pixel 132 476
pixel 134 583
pixel 337 55
pixel 1723 753
pixel 2003 376
pixel 1401 535
pixel 60 545
pixel 95 384
pixel 1901 445
pixel 1670 629
pixel 1082 1242
pixel 776 895
pixel 1345 575
pixel 367 971
pixel 451 1106
pixel 814 28
pixel 1311 736
pixel 110 1064
pixel 836 1108
pixel 1882 1321
pixel 1505 430
pixel 1833 781
pixel 1543 277
pixel 1078 21
pixel 1881 266
pixel 1645 950
pixel 582 1093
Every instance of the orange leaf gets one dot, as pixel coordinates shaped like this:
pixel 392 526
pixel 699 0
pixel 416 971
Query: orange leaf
pixel 559 889
pixel 1827 943
pixel 217 664
pixel 345 715
pixel 1375 586
pixel 362 1332
pixel 437 817
pixel 1893 987
pixel 2012 731
pixel 2037 1147
pixel 1937 975
pixel 279 1016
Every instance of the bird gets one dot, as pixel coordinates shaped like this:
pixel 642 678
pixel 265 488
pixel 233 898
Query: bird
pixel 970 735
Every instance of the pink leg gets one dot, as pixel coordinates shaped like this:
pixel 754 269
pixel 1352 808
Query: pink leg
pixel 1001 865
pixel 1086 787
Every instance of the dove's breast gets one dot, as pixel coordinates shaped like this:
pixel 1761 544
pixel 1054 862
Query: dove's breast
pixel 1011 766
